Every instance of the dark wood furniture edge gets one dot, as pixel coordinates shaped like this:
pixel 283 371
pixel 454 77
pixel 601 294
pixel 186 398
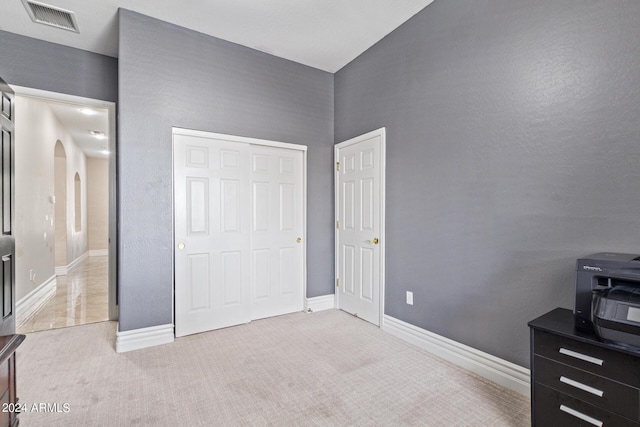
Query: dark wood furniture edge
pixel 9 344
pixel 560 321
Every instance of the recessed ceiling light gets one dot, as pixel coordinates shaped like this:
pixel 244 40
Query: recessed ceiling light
pixel 97 134
pixel 88 111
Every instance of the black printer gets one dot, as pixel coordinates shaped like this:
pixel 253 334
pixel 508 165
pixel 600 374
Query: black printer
pixel 616 314
pixel 608 296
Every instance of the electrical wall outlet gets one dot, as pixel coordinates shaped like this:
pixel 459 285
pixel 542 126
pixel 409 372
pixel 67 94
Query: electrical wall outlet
pixel 409 298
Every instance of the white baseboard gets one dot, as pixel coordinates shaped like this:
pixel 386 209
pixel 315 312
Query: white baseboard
pixel 324 302
pixel 137 339
pixel 77 261
pixel 98 252
pixel 65 269
pixel 507 374
pixel 32 303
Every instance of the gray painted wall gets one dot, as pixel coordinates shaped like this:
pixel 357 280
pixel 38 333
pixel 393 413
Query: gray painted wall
pixel 172 76
pixel 513 147
pixel 48 66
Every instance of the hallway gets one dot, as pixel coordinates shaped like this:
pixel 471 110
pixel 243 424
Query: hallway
pixel 81 297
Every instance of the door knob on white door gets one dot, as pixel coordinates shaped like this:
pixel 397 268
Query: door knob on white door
pixel 375 241
pixel 181 246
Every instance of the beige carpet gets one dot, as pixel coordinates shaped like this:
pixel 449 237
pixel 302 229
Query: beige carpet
pixel 324 368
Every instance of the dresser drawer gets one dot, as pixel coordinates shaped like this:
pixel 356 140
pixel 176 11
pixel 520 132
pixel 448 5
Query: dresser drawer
pixel 600 361
pixel 598 391
pixel 553 409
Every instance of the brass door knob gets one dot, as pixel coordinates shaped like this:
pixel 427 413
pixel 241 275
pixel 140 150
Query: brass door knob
pixel 298 240
pixel 375 240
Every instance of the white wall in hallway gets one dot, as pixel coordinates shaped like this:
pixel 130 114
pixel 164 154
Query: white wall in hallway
pixel 37 130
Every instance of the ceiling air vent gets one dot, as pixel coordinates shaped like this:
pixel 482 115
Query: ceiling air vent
pixel 51 15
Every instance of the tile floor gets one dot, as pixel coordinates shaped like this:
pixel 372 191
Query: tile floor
pixel 81 297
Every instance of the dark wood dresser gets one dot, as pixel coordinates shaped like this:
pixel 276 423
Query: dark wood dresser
pixel 577 380
pixel 8 346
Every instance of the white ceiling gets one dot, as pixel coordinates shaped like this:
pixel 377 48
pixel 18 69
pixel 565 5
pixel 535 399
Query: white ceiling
pixel 324 34
pixel 79 124
pixel 68 110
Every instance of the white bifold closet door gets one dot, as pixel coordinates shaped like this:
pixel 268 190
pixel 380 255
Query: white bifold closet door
pixel 239 222
pixel 276 231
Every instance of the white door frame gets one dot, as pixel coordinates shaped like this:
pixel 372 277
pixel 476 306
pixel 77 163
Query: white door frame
pixel 252 141
pixel 383 241
pixel 112 144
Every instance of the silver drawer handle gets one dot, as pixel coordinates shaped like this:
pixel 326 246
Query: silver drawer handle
pixel 581 386
pixel 581 356
pixel 580 415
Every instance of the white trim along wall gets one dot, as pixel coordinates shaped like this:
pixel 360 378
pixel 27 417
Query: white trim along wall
pixel 34 301
pixel 507 374
pixel 137 339
pixel 323 302
pixel 98 252
pixel 65 269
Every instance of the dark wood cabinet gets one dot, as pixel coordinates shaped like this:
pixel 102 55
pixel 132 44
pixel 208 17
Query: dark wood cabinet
pixel 8 400
pixel 577 380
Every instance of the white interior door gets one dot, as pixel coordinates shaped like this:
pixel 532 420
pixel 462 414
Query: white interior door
pixel 239 230
pixel 277 231
pixel 212 234
pixel 360 225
